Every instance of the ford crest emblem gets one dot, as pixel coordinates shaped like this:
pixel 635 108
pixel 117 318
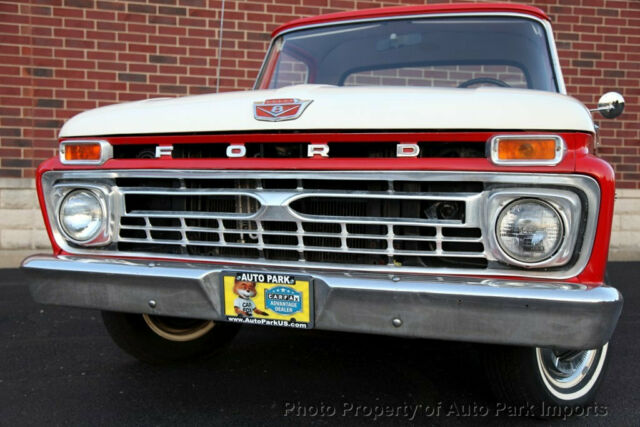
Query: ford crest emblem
pixel 276 110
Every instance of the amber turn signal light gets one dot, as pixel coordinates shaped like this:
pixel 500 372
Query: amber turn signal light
pixel 85 152
pixel 82 152
pixel 527 150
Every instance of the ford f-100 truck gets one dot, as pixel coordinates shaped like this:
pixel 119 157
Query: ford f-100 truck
pixel 414 171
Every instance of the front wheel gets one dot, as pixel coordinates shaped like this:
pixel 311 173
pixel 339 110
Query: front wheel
pixel 163 339
pixel 545 377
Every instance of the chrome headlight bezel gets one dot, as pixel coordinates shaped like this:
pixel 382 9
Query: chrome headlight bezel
pixel 103 235
pixel 507 209
pixel 91 203
pixel 566 204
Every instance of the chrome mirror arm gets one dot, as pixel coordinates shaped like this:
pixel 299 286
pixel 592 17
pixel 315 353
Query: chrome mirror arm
pixel 600 109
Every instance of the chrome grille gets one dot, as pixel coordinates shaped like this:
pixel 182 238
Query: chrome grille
pixel 267 228
pixel 376 222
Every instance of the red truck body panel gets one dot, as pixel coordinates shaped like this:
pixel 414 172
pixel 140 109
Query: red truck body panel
pixel 412 10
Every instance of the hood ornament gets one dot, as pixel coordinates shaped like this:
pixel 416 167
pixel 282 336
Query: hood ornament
pixel 276 110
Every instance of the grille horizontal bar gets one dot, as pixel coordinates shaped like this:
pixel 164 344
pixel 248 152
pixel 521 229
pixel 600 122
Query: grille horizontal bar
pixel 154 184
pixel 258 235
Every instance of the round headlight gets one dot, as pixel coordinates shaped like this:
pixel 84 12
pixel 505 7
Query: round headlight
pixel 529 230
pixel 81 215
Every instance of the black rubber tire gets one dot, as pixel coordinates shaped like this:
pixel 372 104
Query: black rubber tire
pixel 517 381
pixel 132 334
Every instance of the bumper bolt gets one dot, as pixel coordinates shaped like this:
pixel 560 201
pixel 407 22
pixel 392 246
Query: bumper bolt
pixel 397 322
pixel 152 303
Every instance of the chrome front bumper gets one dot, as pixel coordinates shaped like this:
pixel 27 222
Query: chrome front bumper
pixel 453 308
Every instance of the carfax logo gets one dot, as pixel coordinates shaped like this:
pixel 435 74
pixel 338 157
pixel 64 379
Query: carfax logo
pixel 283 300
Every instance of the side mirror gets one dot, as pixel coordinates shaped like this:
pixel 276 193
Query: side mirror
pixel 610 105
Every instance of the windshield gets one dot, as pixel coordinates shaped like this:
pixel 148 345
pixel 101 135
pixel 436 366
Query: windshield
pixel 438 52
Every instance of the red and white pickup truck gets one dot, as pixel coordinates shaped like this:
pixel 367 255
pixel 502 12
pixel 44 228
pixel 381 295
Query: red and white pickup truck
pixel 413 171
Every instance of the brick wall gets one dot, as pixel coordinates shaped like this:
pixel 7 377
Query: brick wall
pixel 438 75
pixel 60 57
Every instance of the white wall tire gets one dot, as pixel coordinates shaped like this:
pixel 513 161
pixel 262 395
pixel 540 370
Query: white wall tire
pixel 574 382
pixel 545 378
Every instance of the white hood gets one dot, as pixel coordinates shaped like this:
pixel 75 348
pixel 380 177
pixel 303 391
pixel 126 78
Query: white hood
pixel 362 108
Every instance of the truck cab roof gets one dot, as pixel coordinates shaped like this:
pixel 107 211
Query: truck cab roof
pixel 411 10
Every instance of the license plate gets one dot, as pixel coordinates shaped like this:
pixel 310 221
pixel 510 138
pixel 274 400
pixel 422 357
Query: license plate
pixel 270 299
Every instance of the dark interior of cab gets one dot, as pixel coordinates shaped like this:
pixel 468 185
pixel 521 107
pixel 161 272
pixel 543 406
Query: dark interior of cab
pixel 454 52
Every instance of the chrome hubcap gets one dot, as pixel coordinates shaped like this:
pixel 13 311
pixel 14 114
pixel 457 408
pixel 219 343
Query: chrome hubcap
pixel 178 329
pixel 565 369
